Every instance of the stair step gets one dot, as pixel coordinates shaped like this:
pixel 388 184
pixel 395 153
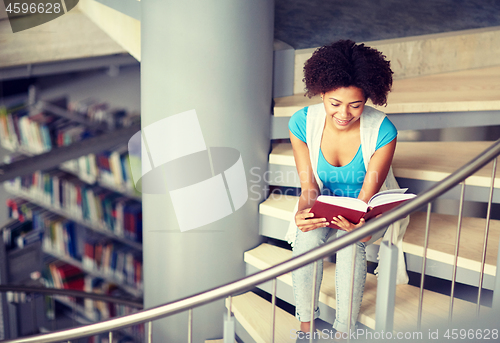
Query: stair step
pixel 433 161
pixel 278 206
pixel 442 238
pixel 429 161
pixel 442 235
pixel 254 314
pixel 466 90
pixel 435 305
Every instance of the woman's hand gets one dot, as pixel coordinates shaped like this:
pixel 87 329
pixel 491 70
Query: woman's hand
pixel 305 221
pixel 346 225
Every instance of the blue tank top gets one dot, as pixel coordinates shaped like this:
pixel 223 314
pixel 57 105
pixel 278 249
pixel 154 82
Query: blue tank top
pixel 346 180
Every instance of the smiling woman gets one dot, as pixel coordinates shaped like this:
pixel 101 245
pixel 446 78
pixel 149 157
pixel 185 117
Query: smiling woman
pixel 344 107
pixel 332 141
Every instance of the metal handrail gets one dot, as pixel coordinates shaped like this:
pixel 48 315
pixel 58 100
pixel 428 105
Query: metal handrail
pixel 251 281
pixel 71 293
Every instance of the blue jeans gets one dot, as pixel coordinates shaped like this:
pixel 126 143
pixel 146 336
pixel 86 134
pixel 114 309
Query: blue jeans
pixel 302 277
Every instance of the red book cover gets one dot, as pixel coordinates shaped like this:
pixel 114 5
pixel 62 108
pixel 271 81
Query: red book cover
pixel 329 211
pixel 60 139
pixel 98 255
pixel 72 277
pixel 77 284
pixel 89 250
pixel 68 271
pixel 354 209
pixel 127 224
pixel 375 211
pixel 132 226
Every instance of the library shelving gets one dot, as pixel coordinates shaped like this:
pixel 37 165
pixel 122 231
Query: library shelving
pixel 82 217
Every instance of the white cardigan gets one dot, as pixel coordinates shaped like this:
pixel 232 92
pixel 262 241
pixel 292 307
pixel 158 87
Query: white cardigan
pixel 370 122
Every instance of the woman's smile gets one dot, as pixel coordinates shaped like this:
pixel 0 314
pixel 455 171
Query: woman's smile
pixel 342 122
pixel 344 106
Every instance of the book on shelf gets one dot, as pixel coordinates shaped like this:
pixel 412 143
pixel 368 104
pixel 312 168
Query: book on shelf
pixel 101 309
pixel 97 111
pixel 58 274
pixel 103 208
pixel 58 235
pixel 66 276
pixel 28 127
pixel 117 263
pixel 19 233
pixel 35 129
pixel 110 169
pixel 132 214
pixel 354 209
pixel 69 241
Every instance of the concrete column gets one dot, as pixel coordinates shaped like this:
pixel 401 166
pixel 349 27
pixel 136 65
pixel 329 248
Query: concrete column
pixel 214 57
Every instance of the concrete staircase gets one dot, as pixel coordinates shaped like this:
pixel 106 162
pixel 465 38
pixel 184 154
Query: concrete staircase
pixel 460 98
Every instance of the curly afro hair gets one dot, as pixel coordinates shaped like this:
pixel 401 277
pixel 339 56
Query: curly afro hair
pixel 345 63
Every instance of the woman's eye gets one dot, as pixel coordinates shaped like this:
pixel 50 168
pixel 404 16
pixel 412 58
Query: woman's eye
pixel 355 106
pixel 336 105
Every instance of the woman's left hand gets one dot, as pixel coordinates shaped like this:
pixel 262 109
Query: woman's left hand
pixel 346 225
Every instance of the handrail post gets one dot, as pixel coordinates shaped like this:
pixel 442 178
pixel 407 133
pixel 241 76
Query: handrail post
pixel 424 262
pixel 486 232
pixel 351 294
pixel 457 246
pixel 149 338
pixel 229 323
pixel 386 288
pixel 273 314
pixel 496 290
pixel 313 301
pixel 190 325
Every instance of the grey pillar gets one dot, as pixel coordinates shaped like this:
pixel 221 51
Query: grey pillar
pixel 214 57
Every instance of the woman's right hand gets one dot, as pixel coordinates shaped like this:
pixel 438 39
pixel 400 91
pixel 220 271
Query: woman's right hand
pixel 305 221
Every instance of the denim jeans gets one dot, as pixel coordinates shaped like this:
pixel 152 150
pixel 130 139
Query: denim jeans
pixel 302 277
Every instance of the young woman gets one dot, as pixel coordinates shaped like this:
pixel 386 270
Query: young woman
pixel 341 147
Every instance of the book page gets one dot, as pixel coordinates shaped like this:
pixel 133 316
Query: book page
pixel 384 193
pixel 389 198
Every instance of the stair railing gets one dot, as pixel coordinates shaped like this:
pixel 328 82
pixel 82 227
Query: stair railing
pixel 327 249
pixel 52 292
pixel 71 293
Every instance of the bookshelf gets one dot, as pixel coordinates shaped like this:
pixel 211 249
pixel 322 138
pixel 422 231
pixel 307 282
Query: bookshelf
pixel 15 191
pixel 82 208
pixel 93 181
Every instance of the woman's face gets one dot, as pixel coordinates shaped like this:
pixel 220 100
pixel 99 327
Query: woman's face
pixel 344 106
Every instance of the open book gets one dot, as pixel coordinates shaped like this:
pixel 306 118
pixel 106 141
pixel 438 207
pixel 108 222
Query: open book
pixel 353 209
